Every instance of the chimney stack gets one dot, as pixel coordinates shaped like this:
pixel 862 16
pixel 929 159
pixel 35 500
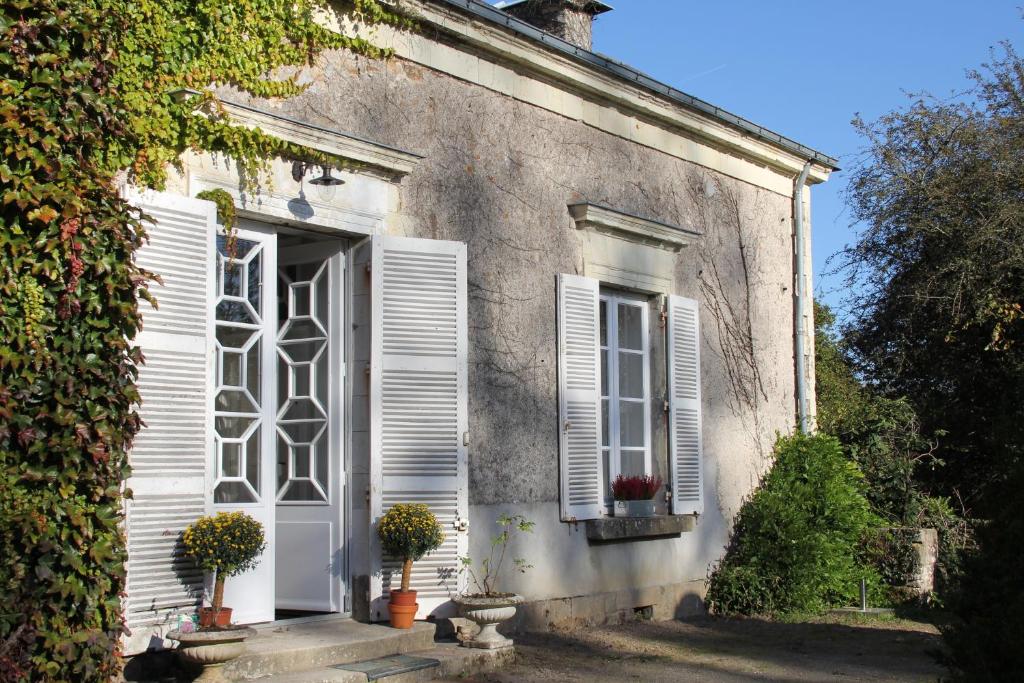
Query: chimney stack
pixel 570 20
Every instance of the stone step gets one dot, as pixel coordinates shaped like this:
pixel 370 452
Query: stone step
pixel 281 649
pixel 452 661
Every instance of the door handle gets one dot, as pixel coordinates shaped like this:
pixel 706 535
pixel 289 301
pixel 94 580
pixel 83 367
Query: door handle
pixel 460 524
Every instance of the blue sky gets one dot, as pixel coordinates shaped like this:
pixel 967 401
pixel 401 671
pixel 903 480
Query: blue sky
pixel 804 69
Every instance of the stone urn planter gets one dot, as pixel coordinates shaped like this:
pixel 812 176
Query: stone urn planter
pixel 487 613
pixel 212 649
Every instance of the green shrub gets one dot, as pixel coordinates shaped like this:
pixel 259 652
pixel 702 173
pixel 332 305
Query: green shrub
pixel 797 544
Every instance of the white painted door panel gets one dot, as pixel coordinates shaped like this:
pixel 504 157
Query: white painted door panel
pixel 310 429
pixel 245 315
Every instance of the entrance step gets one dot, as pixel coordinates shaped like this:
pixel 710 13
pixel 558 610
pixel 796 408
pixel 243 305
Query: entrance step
pixel 283 648
pixel 443 660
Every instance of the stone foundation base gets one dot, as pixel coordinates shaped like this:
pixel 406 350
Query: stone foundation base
pixel 659 603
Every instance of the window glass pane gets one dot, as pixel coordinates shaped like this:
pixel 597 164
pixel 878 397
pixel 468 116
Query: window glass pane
pixel 301 432
pixel 242 247
pixel 604 322
pixel 322 298
pixel 300 461
pixel 233 492
pixel 301 491
pixel 633 462
pixel 231 369
pixel 235 312
pixel 232 427
pixel 322 377
pixel 631 375
pixel 233 402
pixel 252 370
pixel 282 463
pixel 301 380
pixel 322 461
pixel 604 423
pixel 630 327
pixel 231 459
pixel 234 337
pixel 631 424
pixel 606 464
pixel 252 459
pixel 300 299
pixel 233 274
pixel 303 329
pixel 255 273
pixel 604 372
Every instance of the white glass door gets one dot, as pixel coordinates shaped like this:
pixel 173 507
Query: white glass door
pixel 242 477
pixel 309 471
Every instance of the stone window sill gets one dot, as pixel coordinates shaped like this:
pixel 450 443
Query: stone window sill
pixel 610 529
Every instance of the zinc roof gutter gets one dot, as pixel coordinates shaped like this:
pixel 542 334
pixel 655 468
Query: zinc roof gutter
pixel 496 16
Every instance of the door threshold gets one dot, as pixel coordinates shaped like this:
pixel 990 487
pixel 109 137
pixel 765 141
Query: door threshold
pixel 296 621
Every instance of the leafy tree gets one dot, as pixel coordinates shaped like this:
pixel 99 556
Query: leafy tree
pixel 938 318
pixel 940 270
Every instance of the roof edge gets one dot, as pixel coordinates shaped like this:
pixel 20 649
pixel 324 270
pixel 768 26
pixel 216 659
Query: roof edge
pixel 493 15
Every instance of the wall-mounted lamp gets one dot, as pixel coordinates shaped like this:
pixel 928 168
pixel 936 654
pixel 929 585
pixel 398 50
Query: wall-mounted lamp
pixel 325 182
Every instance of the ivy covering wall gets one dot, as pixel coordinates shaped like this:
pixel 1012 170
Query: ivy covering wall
pixel 87 99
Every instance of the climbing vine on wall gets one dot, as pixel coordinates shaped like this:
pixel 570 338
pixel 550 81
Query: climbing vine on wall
pixel 91 93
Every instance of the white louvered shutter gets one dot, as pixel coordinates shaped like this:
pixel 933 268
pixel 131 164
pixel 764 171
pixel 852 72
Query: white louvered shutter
pixel 170 453
pixel 686 452
pixel 418 408
pixel 581 472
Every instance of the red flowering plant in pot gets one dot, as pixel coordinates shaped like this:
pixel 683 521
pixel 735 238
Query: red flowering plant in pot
pixel 407 532
pixel 225 544
pixel 634 495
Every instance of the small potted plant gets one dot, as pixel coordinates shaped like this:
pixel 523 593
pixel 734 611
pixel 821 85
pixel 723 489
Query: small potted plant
pixel 634 495
pixel 488 606
pixel 226 544
pixel 407 531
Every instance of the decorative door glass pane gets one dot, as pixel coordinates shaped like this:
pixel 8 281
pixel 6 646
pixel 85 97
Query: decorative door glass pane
pixel 303 349
pixel 237 410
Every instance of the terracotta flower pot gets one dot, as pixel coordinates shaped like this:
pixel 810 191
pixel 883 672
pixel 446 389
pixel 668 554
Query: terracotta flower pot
pixel 402 616
pixel 209 617
pixel 403 597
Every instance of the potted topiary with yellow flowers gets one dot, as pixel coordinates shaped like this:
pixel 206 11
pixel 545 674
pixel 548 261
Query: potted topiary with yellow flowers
pixel 407 532
pixel 225 544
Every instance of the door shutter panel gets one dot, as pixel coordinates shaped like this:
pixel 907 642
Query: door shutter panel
pixel 686 452
pixel 418 408
pixel 170 453
pixel 579 398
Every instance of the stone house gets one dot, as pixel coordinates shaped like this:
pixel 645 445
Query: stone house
pixel 543 269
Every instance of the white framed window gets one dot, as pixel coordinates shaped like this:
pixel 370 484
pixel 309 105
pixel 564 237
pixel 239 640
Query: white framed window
pixel 625 386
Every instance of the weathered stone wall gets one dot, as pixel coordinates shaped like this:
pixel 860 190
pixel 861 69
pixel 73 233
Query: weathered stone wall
pixel 497 175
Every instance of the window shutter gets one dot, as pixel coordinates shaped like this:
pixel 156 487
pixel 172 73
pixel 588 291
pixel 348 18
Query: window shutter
pixel 579 398
pixel 170 453
pixel 686 452
pixel 418 407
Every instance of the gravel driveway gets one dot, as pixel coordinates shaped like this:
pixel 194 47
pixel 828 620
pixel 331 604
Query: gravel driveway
pixel 729 650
